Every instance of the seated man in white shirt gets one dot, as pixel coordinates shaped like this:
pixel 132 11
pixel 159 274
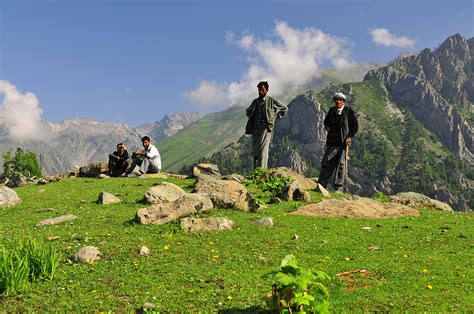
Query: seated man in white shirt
pixel 148 159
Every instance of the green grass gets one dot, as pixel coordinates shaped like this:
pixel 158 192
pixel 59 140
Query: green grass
pixel 212 272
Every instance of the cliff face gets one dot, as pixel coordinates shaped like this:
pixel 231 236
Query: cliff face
pixel 438 88
pixel 169 125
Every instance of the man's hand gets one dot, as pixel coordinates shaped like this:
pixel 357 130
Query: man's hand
pixel 348 141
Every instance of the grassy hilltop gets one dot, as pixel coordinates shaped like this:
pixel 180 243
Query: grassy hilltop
pixel 423 264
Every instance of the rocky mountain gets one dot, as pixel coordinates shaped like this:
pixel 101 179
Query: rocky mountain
pixel 415 119
pixel 169 125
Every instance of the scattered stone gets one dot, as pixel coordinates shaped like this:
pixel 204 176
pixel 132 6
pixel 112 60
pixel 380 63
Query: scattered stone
pixel 53 238
pixel 293 192
pixel 419 200
pixel 264 221
pixel 8 197
pixel 301 180
pixel 144 251
pixel 93 170
pixel 41 190
pixel 366 228
pixel 234 177
pixel 225 194
pixel 16 180
pixel 87 254
pixel 356 207
pixel 206 224
pixel 295 237
pixel 56 220
pixel 206 172
pixel 262 258
pixel 373 248
pixel 103 176
pixel 107 198
pixel 166 212
pixel 323 191
pixel 164 192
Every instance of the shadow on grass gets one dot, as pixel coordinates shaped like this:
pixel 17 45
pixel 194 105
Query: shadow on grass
pixel 131 222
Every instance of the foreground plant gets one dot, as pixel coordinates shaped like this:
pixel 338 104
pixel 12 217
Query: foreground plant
pixel 266 182
pixel 25 260
pixel 298 289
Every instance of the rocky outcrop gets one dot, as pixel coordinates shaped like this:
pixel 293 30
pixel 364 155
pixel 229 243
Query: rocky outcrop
pixel 93 170
pixel 356 207
pixel 16 180
pixel 419 200
pixel 8 197
pixel 186 205
pixel 436 86
pixel 206 172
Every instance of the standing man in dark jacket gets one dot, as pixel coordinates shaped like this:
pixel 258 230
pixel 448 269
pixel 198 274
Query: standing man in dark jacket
pixel 262 114
pixel 119 161
pixel 341 125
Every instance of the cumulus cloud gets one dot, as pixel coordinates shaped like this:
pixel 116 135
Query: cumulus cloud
pixel 20 113
pixel 288 59
pixel 383 37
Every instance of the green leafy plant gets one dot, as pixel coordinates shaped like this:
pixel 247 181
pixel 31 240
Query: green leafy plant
pixel 381 197
pixel 266 182
pixel 24 260
pixel 298 289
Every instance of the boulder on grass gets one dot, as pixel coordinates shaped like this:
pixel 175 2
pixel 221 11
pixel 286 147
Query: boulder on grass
pixel 107 198
pixel 419 200
pixel 164 192
pixel 283 172
pixel 293 192
pixel 87 254
pixel 56 220
pixel 94 170
pixel 225 194
pixel 186 205
pixel 206 172
pixel 8 197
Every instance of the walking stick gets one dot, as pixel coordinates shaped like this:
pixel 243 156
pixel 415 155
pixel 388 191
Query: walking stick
pixel 346 168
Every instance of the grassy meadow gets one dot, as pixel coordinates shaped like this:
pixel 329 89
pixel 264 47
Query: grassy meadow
pixel 423 264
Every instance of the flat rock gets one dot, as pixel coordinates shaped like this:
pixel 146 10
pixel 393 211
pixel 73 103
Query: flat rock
pixel 264 221
pixel 206 224
pixel 56 220
pixel 164 192
pixel 8 197
pixel 357 207
pixel 419 200
pixel 186 205
pixel 87 254
pixel 234 177
pixel 107 198
pixel 225 194
pixel 165 175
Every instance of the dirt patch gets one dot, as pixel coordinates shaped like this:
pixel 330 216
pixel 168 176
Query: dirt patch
pixel 356 207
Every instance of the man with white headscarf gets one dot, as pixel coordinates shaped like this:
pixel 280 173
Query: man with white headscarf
pixel 341 125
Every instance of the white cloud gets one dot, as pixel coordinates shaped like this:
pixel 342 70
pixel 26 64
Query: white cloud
pixel 382 37
pixel 21 113
pixel 209 93
pixel 289 59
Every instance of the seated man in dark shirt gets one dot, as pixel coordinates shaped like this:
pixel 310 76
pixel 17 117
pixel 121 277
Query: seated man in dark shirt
pixel 119 161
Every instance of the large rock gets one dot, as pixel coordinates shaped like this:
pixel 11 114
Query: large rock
pixel 164 192
pixel 56 220
pixel 293 192
pixel 87 254
pixel 301 180
pixel 225 194
pixel 8 197
pixel 419 200
pixel 94 170
pixel 206 172
pixel 356 207
pixel 206 224
pixel 186 205
pixel 16 180
pixel 107 198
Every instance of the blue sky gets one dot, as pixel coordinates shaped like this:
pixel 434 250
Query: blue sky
pixel 134 61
